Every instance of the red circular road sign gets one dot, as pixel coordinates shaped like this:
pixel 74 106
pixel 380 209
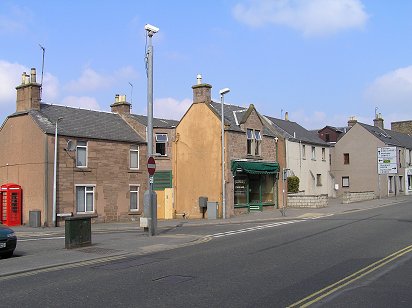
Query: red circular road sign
pixel 151 165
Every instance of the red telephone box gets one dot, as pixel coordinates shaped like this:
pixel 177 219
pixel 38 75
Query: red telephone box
pixel 11 204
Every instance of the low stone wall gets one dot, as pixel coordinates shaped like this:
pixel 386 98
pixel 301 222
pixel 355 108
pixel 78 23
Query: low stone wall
pixel 350 197
pixel 308 201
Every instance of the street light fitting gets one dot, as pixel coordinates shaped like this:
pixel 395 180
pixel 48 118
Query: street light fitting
pixel 224 91
pixel 151 28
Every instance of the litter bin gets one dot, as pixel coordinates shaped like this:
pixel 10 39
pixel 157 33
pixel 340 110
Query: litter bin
pixel 78 231
pixel 212 210
pixel 35 219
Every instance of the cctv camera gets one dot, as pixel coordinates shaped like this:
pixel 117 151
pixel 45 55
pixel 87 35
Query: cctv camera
pixel 224 91
pixel 151 28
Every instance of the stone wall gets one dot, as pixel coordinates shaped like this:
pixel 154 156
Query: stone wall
pixel 350 197
pixel 308 201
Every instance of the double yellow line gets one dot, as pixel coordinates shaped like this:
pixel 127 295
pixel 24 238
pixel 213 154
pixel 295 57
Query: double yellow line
pixel 317 296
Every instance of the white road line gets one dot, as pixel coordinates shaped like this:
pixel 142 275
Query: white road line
pixel 272 225
pixel 40 239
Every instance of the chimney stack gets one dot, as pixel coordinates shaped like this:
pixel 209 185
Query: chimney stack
pixel 352 121
pixel 120 105
pixel 286 116
pixel 28 93
pixel 201 91
pixel 378 121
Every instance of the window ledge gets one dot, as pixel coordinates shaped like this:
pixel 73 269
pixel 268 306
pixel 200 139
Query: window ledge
pixel 138 212
pixel 77 169
pixel 134 171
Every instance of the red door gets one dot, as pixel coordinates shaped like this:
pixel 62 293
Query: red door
pixel 11 204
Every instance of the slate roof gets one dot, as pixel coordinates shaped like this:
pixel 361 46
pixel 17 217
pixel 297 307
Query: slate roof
pixel 293 131
pixel 83 123
pixel 157 123
pixel 389 137
pixel 233 115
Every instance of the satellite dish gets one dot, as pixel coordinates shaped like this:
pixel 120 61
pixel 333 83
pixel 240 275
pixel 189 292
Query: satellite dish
pixel 70 146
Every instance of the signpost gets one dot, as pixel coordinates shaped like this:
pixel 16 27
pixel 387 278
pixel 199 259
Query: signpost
pixel 387 163
pixel 149 222
pixel 151 166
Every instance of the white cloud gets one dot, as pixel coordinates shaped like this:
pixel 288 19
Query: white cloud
pixel 84 102
pixel 170 108
pixel 90 80
pixel 311 17
pixel 393 89
pixel 15 20
pixel 10 77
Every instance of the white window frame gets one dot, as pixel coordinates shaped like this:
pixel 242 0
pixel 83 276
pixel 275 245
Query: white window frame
pixel 313 153
pixel 161 142
pixel 258 142
pixel 137 192
pixel 345 181
pixel 78 146
pixel 134 149
pixel 250 139
pixel 86 192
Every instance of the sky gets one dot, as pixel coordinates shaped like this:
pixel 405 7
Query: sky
pixel 322 61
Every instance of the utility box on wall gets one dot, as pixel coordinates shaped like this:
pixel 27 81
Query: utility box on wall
pixel 212 210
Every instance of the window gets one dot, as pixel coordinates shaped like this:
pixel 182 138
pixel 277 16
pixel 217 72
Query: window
pixel 258 140
pixel 161 142
pixel 313 153
pixel 390 184
pixel 327 137
pixel 134 197
pixel 346 158
pixel 345 181
pixel 303 151
pixel 319 180
pixel 249 136
pixel 254 140
pixel 134 157
pixel 323 154
pixel 410 157
pixel 85 199
pixel 81 154
pixel 400 183
pixel 409 182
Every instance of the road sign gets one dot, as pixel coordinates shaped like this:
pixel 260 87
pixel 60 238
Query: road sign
pixel 387 162
pixel 151 165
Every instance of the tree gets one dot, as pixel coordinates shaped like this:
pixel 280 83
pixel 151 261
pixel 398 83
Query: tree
pixel 293 184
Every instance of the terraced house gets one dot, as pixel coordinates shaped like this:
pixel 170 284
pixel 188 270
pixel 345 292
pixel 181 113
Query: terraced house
pixel 101 158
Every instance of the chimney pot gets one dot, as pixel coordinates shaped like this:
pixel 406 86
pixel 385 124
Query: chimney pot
pixel 33 75
pixel 199 79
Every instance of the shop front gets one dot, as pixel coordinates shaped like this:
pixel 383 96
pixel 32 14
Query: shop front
pixel 254 184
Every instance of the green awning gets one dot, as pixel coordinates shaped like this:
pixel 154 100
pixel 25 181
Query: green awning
pixel 254 167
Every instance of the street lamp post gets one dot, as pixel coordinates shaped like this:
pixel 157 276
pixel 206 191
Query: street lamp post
pixel 150 197
pixel 55 175
pixel 222 93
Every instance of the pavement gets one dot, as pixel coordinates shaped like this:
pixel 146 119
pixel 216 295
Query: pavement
pixel 43 249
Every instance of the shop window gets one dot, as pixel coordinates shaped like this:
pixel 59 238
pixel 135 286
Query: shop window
pixel 85 199
pixel 345 181
pixel 81 154
pixel 161 143
pixel 134 197
pixel 346 158
pixel 134 157
pixel 240 190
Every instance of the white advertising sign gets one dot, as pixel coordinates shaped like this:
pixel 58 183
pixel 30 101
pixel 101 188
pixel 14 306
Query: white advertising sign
pixel 387 162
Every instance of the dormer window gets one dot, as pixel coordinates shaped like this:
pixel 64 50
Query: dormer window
pixel 254 140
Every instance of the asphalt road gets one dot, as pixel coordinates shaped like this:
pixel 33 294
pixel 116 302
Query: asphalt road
pixel 353 260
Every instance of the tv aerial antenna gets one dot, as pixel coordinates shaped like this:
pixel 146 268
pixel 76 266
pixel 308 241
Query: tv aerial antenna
pixel 42 69
pixel 131 94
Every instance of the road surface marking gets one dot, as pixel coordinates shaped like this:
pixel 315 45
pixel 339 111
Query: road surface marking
pixel 317 296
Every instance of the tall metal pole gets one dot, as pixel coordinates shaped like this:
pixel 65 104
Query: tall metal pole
pixel 55 177
pixel 222 93
pixel 223 162
pixel 151 195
